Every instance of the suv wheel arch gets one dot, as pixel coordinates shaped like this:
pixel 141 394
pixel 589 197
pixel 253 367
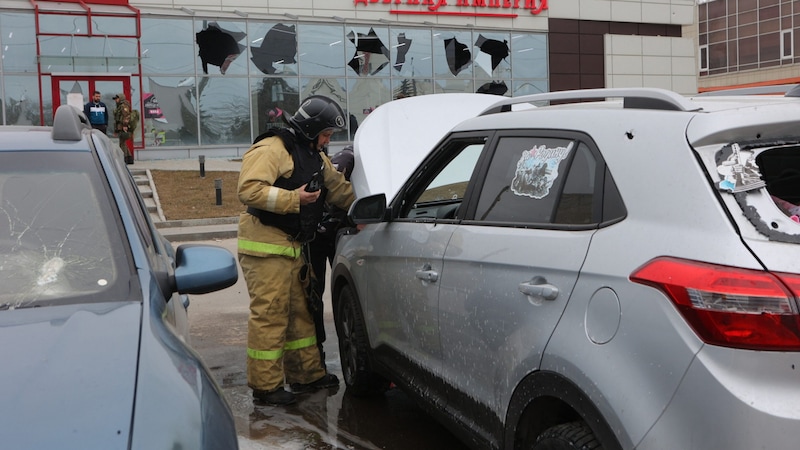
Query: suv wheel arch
pixel 545 399
pixel 354 348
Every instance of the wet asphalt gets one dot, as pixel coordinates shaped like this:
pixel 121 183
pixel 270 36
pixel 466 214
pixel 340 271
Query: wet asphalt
pixel 327 419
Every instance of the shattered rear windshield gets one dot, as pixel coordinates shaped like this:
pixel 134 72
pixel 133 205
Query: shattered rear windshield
pixel 58 238
pixel 764 177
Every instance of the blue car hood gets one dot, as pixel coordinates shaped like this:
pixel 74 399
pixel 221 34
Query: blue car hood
pixel 68 375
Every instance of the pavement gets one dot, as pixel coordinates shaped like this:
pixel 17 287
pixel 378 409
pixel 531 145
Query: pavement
pixel 184 230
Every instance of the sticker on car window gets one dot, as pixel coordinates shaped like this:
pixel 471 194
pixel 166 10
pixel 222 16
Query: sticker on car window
pixel 537 169
pixel 740 172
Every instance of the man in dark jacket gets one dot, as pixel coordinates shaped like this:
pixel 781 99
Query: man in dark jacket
pixel 323 247
pixel 97 112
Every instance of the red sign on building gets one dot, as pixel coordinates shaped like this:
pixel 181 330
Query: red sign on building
pixel 479 8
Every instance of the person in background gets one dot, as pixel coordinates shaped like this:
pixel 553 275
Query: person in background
pixel 122 118
pixel 323 247
pixel 281 181
pixel 97 113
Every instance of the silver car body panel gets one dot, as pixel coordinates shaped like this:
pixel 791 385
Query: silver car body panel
pixel 401 297
pixel 729 120
pixel 752 395
pixel 774 255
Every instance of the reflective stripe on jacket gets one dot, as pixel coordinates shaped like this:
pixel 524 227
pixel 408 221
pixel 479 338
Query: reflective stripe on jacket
pixel 265 162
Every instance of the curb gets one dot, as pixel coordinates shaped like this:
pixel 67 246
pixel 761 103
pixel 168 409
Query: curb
pixel 159 211
pixel 199 229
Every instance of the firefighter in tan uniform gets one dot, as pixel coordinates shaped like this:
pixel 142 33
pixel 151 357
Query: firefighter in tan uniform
pixel 277 183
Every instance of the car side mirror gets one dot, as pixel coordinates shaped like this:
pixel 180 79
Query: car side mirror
pixel 200 269
pixel 371 209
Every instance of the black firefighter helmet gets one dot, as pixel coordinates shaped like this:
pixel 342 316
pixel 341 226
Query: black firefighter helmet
pixel 317 114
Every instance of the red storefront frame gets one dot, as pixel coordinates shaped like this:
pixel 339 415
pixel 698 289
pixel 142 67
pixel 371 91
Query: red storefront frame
pixel 95 82
pixel 107 85
pixel 103 82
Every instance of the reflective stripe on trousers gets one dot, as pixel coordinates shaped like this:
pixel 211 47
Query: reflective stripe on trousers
pixel 281 340
pixel 275 354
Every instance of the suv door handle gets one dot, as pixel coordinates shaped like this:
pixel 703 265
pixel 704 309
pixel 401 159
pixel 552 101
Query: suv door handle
pixel 538 287
pixel 427 274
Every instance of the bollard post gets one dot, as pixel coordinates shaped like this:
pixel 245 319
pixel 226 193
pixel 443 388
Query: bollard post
pixel 218 188
pixel 202 159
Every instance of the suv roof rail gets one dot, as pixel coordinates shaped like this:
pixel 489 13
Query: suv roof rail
pixel 636 98
pixel 68 123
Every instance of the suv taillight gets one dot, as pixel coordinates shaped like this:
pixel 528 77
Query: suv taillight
pixel 728 306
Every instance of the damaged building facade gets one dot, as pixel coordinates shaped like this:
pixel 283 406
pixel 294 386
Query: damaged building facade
pixel 208 77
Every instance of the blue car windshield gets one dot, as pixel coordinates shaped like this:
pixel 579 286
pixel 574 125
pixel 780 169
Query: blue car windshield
pixel 59 241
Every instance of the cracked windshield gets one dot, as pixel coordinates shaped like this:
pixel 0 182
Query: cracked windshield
pixel 55 245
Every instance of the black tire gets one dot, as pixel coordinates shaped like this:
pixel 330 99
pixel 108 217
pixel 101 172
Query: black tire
pixel 567 436
pixel 353 349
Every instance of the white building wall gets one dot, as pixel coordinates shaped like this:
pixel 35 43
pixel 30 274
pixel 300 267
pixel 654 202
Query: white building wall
pixel 641 61
pixel 672 12
pixel 651 61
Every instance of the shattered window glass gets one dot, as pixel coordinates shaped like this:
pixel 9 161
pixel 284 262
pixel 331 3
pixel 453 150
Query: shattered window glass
pixel 55 244
pixel 779 168
pixel 764 178
pixel 368 50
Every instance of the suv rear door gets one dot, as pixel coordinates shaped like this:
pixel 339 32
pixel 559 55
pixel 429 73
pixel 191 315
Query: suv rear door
pixel 510 267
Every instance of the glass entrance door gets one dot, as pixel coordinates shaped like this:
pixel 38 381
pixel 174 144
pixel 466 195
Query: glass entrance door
pixel 76 90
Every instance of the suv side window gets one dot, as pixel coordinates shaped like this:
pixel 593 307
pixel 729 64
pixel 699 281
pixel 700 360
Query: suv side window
pixel 524 178
pixel 440 194
pixel 613 207
pixel 576 203
pixel 536 180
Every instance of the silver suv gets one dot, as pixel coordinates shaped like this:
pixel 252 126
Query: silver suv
pixel 618 269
